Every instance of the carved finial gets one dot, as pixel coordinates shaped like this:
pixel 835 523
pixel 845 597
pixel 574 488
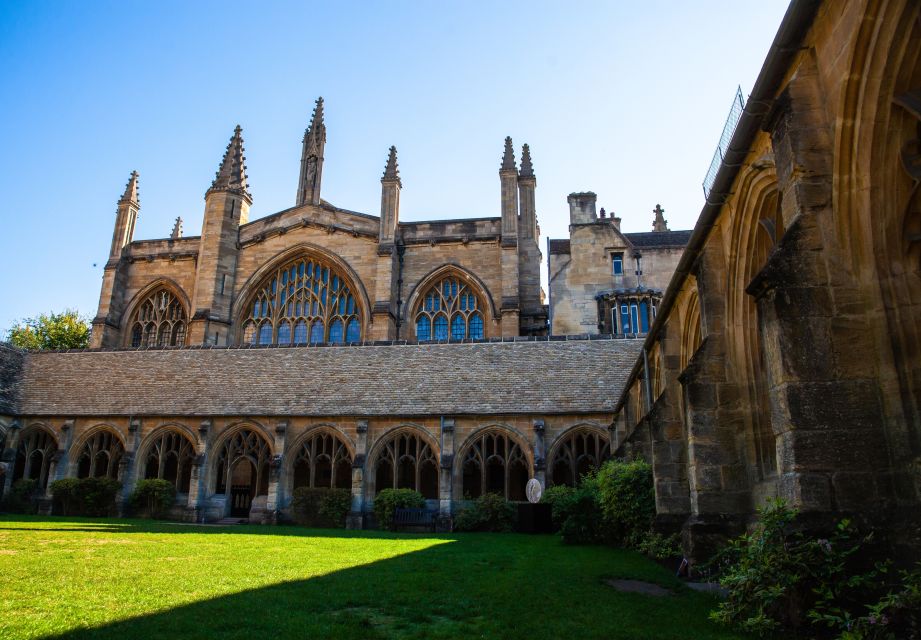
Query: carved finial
pixel 177 230
pixel 392 171
pixel 602 213
pixel 131 190
pixel 231 176
pixel 508 158
pixel 527 170
pixel 315 135
pixel 660 223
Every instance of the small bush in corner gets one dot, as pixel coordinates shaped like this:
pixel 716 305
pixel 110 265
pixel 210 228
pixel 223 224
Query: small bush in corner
pixel 320 507
pixel 86 496
pixel 559 497
pixel 628 500
pixel 22 496
pixel 490 512
pixel 153 498
pixel 581 514
pixel 389 500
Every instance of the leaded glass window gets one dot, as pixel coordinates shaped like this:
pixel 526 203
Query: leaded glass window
pixel 159 321
pixel 449 310
pixel 309 295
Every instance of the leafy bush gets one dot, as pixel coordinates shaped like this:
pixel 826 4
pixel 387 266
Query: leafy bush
pixel 780 578
pixel 86 496
pixel 490 512
pixel 389 500
pixel 153 498
pixel 21 497
pixel 581 514
pixel 318 507
pixel 559 497
pixel 628 500
pixel 660 547
pixel 64 492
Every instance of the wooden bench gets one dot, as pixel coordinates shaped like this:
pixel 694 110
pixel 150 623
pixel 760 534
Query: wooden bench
pixel 405 518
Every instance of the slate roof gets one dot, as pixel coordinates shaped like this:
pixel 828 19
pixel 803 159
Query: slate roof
pixel 650 239
pixel 539 377
pixel 559 246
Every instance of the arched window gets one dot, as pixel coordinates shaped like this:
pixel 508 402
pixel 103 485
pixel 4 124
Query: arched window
pixel 242 470
pixel 170 457
pixel 323 460
pixel 449 310
pixel 100 455
pixel 159 321
pixel 308 294
pixel 494 462
pixel 580 451
pixel 33 456
pixel 406 461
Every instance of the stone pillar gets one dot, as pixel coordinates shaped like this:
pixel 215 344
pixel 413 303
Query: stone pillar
pixel 9 455
pixel 446 476
pixel 198 489
pixel 276 497
pixel 356 518
pixel 540 453
pixel 63 469
pixel 127 467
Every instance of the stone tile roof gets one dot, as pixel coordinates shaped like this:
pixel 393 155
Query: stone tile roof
pixel 559 246
pixel 542 377
pixel 650 239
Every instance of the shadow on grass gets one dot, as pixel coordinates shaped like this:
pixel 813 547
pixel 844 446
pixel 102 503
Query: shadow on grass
pixel 469 586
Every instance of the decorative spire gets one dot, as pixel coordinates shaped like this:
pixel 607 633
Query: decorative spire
pixel 131 190
pixel 508 158
pixel 392 170
pixel 527 170
pixel 315 135
pixel 660 223
pixel 231 176
pixel 177 230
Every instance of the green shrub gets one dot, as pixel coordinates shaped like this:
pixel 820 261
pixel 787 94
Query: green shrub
pixel 660 547
pixel 490 512
pixel 22 496
pixel 389 500
pixel 581 514
pixel 64 493
pixel 628 500
pixel 86 496
pixel 559 497
pixel 153 498
pixel 319 507
pixel 780 578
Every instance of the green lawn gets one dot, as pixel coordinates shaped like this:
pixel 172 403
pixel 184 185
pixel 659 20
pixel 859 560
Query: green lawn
pixel 82 578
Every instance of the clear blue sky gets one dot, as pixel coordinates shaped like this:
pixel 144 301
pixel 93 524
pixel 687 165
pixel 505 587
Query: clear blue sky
pixel 626 99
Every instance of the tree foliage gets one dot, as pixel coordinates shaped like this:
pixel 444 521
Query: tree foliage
pixel 67 330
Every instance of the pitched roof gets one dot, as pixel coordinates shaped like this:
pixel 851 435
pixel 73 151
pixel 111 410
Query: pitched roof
pixel 542 377
pixel 650 239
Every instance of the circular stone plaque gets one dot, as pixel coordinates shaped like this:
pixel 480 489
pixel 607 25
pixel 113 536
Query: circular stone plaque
pixel 533 490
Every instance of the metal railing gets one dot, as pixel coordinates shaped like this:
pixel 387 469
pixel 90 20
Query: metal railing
pixel 738 104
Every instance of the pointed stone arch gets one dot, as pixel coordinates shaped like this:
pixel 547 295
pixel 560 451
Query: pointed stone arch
pixel 453 300
pixel 98 453
pixel 493 459
pixel 36 449
pixel 320 457
pixel 242 457
pixel 405 457
pixel 168 453
pixel 177 327
pixel 576 451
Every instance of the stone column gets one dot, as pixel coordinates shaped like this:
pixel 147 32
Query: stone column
pixel 446 475
pixel 9 455
pixel 275 499
pixel 63 469
pixel 356 519
pixel 195 511
pixel 127 466
pixel 540 453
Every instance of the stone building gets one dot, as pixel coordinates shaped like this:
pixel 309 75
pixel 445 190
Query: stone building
pixel 318 347
pixel 605 281
pixel 785 358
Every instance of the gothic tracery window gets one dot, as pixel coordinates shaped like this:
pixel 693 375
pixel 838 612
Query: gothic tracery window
pixel 407 461
pixel 495 463
pixel 579 452
pixel 323 460
pixel 305 300
pixel 100 456
pixel 33 456
pixel 449 310
pixel 170 457
pixel 160 321
pixel 243 462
